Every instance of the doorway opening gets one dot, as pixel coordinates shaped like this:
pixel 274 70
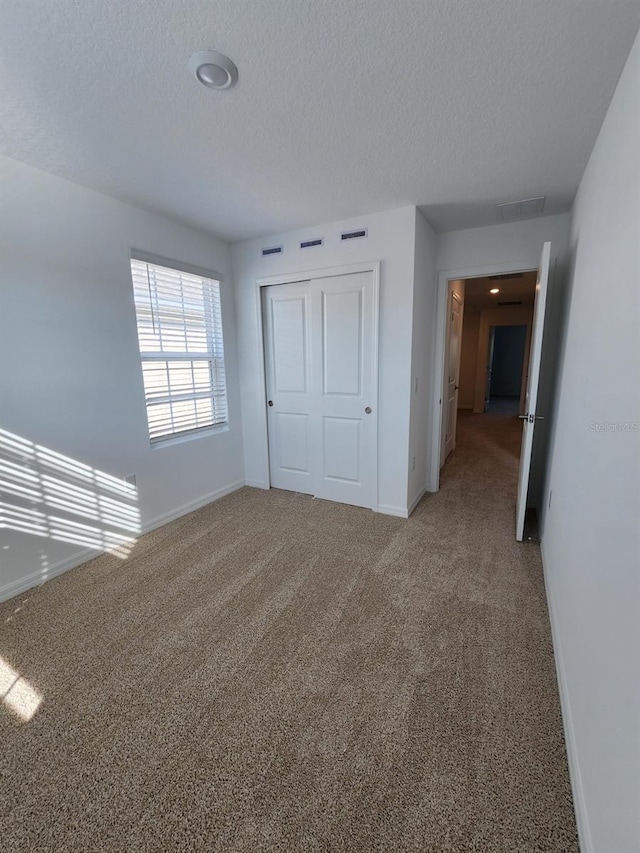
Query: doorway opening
pixel 488 354
pixel 505 369
pixel 487 344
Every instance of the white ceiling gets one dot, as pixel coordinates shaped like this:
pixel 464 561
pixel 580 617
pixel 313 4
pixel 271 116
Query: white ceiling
pixel 343 107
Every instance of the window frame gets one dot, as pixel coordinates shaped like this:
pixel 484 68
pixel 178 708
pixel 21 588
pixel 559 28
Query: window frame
pixel 179 436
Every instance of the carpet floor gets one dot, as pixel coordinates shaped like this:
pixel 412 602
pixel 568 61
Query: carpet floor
pixel 276 673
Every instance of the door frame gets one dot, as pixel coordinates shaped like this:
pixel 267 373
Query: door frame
pixel 305 275
pixel 439 359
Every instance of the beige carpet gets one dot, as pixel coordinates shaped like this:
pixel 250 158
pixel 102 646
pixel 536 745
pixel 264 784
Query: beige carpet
pixel 275 673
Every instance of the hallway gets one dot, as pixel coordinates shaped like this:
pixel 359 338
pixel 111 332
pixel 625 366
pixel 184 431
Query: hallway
pixel 273 672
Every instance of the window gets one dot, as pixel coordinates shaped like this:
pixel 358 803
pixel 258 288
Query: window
pixel 180 337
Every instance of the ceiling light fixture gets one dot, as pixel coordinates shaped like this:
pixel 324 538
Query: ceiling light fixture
pixel 494 290
pixel 213 69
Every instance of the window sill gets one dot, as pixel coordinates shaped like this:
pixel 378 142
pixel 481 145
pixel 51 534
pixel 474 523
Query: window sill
pixel 171 440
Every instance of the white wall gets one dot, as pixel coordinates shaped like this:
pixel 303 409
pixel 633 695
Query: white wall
pixel 71 377
pixel 591 531
pixel 425 291
pixel 390 239
pixel 517 243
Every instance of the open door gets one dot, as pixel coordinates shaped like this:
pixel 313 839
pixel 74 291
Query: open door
pixel 531 397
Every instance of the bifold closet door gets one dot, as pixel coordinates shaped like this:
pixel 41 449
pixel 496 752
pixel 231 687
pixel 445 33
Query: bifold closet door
pixel 320 364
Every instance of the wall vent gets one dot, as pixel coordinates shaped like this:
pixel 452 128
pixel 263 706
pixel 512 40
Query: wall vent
pixel 515 302
pixel 522 209
pixel 272 250
pixel 354 235
pixel 309 244
pixel 506 276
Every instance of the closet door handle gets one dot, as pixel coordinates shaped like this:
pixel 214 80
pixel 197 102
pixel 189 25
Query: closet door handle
pixel 270 403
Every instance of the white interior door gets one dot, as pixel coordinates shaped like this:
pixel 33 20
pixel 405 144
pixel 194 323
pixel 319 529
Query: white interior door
pixel 531 397
pixel 454 344
pixel 321 376
pixel 287 331
pixel 344 381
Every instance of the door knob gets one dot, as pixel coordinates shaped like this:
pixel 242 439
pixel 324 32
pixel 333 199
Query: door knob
pixel 270 403
pixel 368 410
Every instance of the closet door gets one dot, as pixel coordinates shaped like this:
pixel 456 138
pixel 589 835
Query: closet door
pixel 344 423
pixel 287 329
pixel 321 382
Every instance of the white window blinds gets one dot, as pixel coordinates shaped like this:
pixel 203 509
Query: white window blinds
pixel 181 348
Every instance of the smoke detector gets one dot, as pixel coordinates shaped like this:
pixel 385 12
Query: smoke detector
pixel 213 69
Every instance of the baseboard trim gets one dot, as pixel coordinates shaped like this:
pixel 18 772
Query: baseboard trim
pixel 398 511
pixel 190 506
pixel 21 585
pixel 579 802
pixel 414 503
pixel 257 484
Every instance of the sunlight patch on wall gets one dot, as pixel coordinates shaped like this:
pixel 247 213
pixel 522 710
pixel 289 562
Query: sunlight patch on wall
pixel 17 694
pixel 44 493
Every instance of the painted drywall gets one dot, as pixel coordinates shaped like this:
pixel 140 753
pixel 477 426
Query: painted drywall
pixel 425 288
pixel 518 243
pixel 468 359
pixel 71 379
pixel 590 531
pixel 390 239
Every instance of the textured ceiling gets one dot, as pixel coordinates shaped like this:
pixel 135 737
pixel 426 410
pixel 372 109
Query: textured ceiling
pixel 343 106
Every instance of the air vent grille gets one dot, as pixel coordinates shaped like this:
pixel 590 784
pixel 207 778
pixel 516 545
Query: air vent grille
pixel 309 244
pixel 506 276
pixel 525 208
pixel 272 250
pixel 514 302
pixel 354 235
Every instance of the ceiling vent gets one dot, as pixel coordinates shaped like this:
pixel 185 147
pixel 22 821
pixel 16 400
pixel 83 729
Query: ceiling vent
pixel 506 276
pixel 354 235
pixel 272 250
pixel 309 244
pixel 514 302
pixel 523 209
